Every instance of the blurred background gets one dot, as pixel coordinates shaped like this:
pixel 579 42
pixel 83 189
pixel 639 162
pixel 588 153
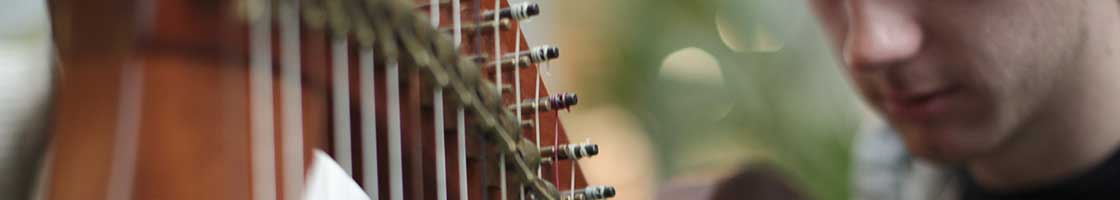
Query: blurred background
pixel 681 95
pixel 24 92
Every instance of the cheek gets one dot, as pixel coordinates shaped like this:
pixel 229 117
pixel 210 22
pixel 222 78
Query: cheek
pixel 867 88
pixel 1024 56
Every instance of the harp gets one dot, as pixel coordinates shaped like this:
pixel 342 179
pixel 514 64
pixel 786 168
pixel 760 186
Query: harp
pixel 212 99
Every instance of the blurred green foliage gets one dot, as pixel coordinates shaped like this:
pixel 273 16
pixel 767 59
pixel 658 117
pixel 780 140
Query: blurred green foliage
pixel 785 99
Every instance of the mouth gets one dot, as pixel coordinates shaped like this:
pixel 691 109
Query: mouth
pixel 920 106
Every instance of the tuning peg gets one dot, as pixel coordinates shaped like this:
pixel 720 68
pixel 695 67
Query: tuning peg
pixel 589 193
pixel 545 104
pixel 570 151
pixel 537 54
pixel 525 58
pixel 518 12
pixel 503 24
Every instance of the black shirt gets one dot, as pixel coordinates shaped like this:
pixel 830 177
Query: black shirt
pixel 1101 182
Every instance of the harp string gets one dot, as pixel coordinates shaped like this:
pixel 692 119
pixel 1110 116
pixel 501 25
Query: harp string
pixel 460 118
pixel 437 103
pixel 369 123
pixel 261 98
pixel 340 76
pixel 291 100
pixel 517 86
pixel 503 187
pixel 396 171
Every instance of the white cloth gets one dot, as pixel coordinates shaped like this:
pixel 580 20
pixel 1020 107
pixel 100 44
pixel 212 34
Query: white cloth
pixel 327 181
pixel 25 89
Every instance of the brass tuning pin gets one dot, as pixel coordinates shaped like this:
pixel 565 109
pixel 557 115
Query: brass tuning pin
pixel 517 12
pixel 589 193
pixel 545 104
pixel 532 56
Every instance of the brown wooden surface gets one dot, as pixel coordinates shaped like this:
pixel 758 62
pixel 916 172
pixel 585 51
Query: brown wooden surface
pixel 194 137
pixel 193 140
pixel 314 64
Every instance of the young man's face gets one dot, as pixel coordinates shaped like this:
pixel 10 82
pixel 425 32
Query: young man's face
pixel 957 78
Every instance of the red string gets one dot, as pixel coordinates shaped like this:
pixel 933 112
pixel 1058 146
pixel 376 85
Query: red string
pixel 555 154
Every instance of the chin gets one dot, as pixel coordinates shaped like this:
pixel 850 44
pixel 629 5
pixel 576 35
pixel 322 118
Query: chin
pixel 947 144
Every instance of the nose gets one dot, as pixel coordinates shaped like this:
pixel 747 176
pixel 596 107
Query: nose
pixel 880 35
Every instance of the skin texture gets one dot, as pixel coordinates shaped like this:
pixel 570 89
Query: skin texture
pixel 1017 92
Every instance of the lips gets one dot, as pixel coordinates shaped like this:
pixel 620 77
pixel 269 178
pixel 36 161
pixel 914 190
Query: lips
pixel 919 106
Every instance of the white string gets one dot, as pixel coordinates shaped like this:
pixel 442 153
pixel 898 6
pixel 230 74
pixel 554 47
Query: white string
pixel 516 73
pixel 291 99
pixel 498 79
pixel 396 171
pixel 433 11
pixel 519 12
pixel 572 185
pixel 462 136
pixel 369 123
pixel 502 174
pixel 458 25
pixel 341 103
pixel 573 163
pixel 517 86
pixel 460 113
pixel 537 113
pixel 261 114
pixel 437 102
pixel 441 154
pixel 497 51
pixel 545 71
